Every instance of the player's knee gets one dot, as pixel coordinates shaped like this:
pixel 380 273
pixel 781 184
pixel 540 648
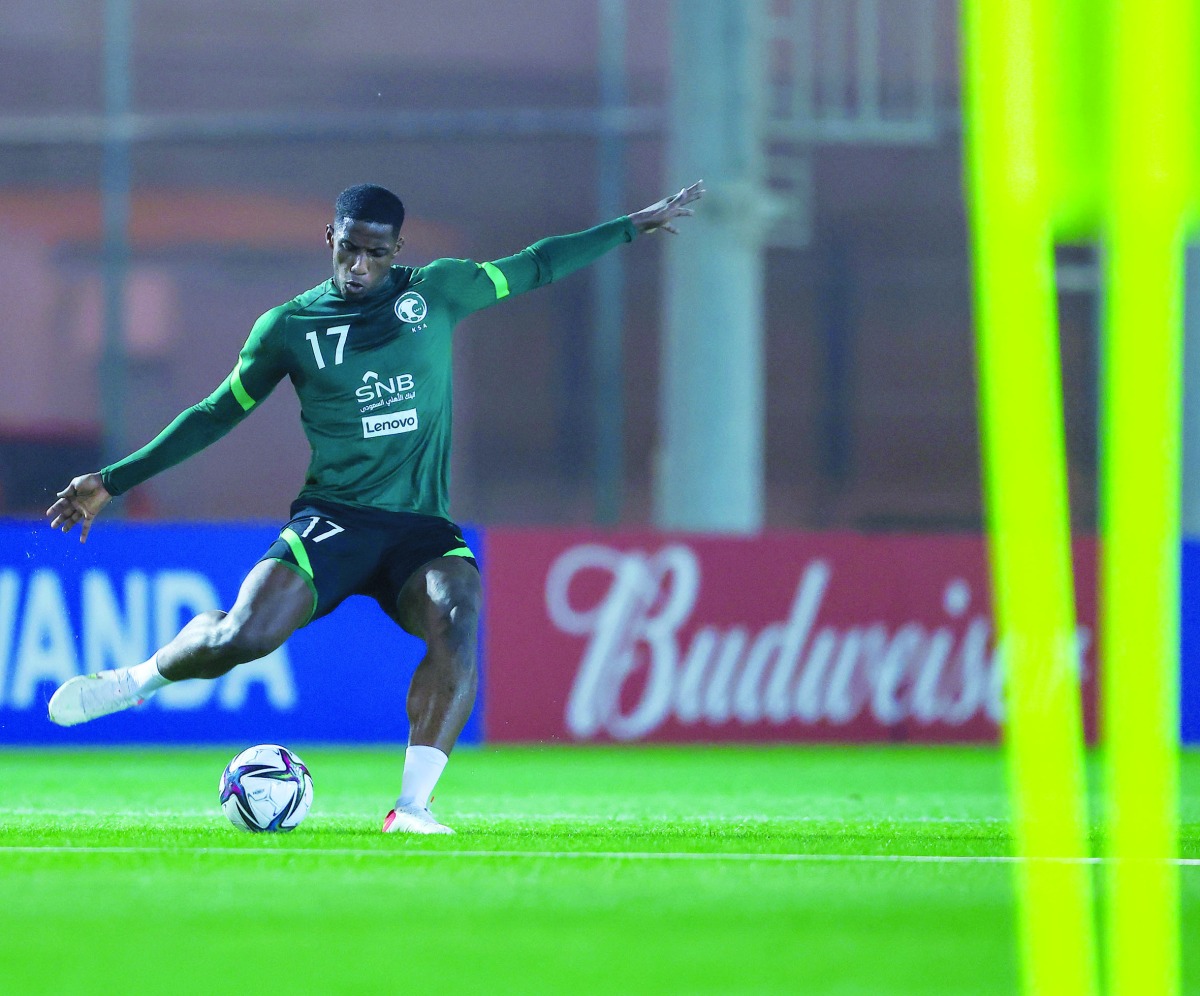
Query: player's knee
pixel 454 632
pixel 453 620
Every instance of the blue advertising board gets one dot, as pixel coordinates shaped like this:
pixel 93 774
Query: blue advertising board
pixel 1189 627
pixel 68 608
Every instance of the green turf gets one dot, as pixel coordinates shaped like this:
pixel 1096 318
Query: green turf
pixel 571 873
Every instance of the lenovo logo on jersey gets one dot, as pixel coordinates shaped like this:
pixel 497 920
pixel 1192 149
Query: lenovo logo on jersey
pixel 390 424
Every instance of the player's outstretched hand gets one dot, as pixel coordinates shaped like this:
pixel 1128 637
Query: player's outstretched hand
pixel 81 501
pixel 660 215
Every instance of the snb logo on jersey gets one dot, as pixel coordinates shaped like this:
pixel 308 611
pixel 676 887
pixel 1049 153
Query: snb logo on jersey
pixel 410 307
pixel 389 424
pixel 375 388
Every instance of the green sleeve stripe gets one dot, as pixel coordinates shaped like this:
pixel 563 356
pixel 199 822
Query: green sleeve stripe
pixel 239 392
pixel 297 547
pixel 462 551
pixel 498 278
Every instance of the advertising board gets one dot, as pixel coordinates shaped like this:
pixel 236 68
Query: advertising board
pixel 783 637
pixel 630 636
pixel 1189 625
pixel 68 608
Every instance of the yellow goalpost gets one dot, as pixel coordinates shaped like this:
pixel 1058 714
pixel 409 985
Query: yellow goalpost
pixel 1080 123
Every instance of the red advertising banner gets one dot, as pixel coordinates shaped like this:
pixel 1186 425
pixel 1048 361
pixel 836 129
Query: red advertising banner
pixel 784 637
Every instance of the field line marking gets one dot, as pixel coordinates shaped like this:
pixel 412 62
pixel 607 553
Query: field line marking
pixel 622 818
pixel 745 856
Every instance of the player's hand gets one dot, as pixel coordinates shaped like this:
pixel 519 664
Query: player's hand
pixel 81 501
pixel 660 215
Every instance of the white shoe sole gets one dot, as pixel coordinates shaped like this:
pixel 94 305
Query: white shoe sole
pixel 88 697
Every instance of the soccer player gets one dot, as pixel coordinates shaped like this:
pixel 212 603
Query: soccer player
pixel 368 353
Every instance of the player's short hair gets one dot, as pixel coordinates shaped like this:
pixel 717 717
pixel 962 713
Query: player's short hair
pixel 369 202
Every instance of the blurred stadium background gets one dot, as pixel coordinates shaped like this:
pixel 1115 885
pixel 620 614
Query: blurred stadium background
pixel 762 435
pixel 248 118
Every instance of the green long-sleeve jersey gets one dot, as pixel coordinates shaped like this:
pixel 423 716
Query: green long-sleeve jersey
pixel 372 376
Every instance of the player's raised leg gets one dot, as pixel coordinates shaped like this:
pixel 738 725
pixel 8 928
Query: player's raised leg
pixel 273 602
pixel 440 603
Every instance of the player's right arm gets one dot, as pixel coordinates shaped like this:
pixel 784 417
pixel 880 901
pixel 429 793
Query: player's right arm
pixel 259 368
pixel 473 286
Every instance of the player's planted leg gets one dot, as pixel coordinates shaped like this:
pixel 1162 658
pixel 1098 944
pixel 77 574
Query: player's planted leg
pixel 272 603
pixel 441 605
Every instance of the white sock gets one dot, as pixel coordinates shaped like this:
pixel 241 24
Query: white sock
pixel 422 769
pixel 147 677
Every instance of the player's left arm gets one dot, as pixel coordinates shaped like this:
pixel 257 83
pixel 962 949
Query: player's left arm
pixel 550 259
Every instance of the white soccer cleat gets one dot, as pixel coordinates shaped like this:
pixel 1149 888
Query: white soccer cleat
pixel 412 819
pixel 90 696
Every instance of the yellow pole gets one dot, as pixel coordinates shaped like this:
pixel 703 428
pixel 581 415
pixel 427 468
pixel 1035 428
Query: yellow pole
pixel 1008 74
pixel 1151 117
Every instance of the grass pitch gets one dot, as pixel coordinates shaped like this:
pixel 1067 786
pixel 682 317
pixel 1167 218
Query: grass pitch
pixel 584 870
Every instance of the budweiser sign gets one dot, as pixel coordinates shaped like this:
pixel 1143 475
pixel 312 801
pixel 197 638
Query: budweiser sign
pixel 785 637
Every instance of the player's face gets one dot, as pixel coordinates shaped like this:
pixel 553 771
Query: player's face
pixel 362 255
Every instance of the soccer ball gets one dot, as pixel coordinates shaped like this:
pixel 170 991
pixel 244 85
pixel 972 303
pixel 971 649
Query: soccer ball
pixel 266 788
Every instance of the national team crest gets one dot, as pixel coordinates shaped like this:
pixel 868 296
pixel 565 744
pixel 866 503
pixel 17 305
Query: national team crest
pixel 411 307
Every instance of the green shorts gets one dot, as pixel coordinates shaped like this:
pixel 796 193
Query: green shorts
pixel 341 551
